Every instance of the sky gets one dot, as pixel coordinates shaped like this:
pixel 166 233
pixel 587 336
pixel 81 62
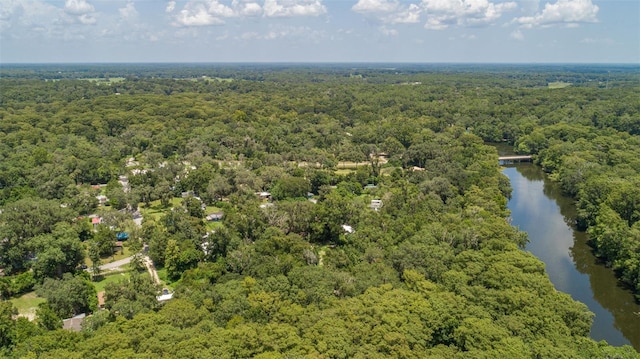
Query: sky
pixel 414 31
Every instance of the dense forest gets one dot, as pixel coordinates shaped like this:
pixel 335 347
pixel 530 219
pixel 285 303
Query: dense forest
pixel 363 214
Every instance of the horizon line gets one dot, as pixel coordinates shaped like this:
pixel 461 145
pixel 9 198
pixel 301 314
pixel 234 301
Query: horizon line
pixel 313 63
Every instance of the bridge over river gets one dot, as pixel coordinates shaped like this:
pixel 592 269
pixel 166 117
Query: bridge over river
pixel 523 158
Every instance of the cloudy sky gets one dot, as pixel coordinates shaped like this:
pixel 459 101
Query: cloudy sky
pixel 513 31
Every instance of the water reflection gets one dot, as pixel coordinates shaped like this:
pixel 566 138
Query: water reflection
pixel 539 208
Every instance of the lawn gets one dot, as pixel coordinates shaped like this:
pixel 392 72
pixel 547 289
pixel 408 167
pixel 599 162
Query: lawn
pixel 27 304
pixel 558 85
pixel 212 226
pixel 112 278
pixel 155 210
pixel 344 172
pixel 101 80
pixel 124 253
pixel 164 279
pixel 351 165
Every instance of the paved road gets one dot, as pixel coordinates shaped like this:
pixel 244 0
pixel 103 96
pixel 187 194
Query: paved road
pixel 116 264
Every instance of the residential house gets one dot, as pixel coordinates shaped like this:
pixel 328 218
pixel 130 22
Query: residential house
pixel 215 216
pixel 165 296
pixel 74 323
pixel 376 204
pixel 102 199
pixel 96 221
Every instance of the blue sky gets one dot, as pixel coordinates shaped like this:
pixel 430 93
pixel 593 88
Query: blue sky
pixel 477 31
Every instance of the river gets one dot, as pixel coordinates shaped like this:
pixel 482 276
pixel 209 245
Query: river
pixel 539 208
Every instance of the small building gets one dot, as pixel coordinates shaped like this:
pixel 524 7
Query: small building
pixel 117 246
pixel 264 195
pixel 74 323
pixel 131 162
pixel 101 300
pixel 347 228
pixel 95 221
pixel 137 171
pixel 165 296
pixel 376 204
pixel 102 199
pixel 187 194
pixel 215 217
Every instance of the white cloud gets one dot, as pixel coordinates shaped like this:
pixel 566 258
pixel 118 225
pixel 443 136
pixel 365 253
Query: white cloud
pixel 517 35
pixel 214 12
pixel 77 7
pixel 444 13
pixel 409 15
pixel 201 14
pixel 81 10
pixel 563 12
pixel 29 19
pixel 439 14
pixel 375 6
pixel 87 19
pixel 219 10
pixel 197 16
pixel 388 32
pixel 293 33
pixel 171 5
pixel 388 12
pixel 129 11
pixel 290 8
pixel 246 7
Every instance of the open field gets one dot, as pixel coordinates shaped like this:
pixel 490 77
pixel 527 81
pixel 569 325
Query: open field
pixel 558 85
pixel 156 210
pixel 27 304
pixel 106 81
pixel 112 278
pixel 164 279
pixel 120 254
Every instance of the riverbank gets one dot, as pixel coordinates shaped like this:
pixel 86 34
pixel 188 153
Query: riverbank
pixel 539 208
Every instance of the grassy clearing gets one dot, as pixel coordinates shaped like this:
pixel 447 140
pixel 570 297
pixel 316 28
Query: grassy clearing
pixel 208 79
pixel 322 251
pixel 386 171
pixel 27 304
pixel 212 226
pixel 124 253
pixel 120 254
pixel 344 172
pixel 106 81
pixel 155 210
pixel 112 278
pixel 558 85
pixel 351 165
pixel 165 282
